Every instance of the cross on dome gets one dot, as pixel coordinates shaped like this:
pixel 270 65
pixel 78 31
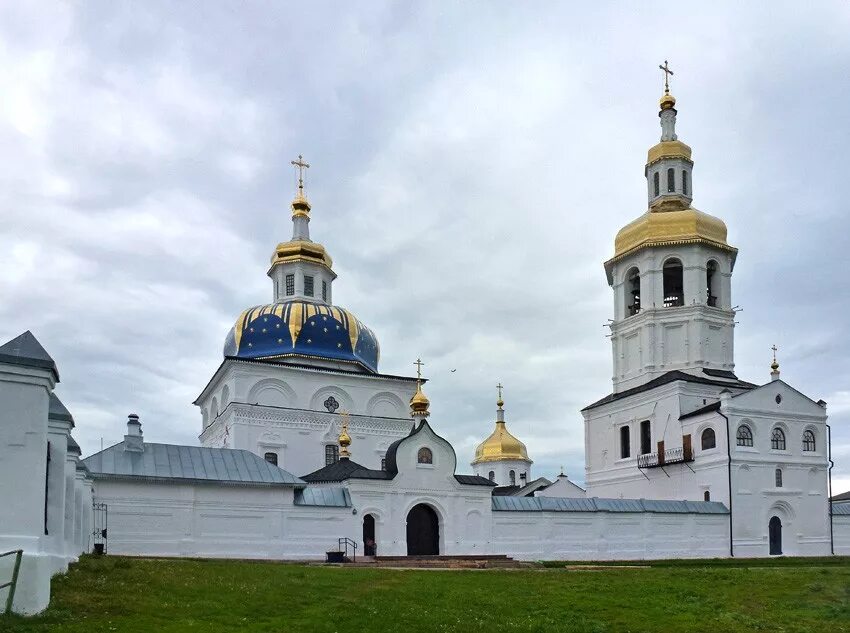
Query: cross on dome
pixel 667 72
pixel 300 165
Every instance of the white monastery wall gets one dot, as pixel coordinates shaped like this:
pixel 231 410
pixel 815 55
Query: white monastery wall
pixel 218 521
pixel 841 534
pixel 609 536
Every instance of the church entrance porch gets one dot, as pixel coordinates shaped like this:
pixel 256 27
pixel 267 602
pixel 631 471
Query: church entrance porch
pixel 423 531
pixel 774 531
pixel 370 548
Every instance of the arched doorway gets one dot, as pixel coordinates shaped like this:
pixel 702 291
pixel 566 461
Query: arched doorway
pixel 370 548
pixel 423 531
pixel 774 533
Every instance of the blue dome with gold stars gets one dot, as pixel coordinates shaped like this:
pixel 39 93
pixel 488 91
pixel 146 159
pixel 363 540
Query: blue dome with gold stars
pixel 302 328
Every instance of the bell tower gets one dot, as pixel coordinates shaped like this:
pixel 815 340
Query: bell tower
pixel 671 274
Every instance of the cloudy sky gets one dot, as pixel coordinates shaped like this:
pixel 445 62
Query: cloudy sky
pixel 471 163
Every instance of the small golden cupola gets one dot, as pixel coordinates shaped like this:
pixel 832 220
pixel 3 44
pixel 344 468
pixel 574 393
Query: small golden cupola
pixel 501 445
pixel 670 219
pixel 419 402
pixel 344 438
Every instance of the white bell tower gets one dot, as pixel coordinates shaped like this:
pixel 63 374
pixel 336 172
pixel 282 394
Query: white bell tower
pixel 671 275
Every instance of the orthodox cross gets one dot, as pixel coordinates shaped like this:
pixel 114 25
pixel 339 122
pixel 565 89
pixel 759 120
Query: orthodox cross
pixel 419 364
pixel 301 166
pixel 774 348
pixel 667 73
pixel 499 387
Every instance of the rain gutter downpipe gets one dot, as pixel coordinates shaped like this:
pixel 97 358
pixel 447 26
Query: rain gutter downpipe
pixel 729 480
pixel 831 464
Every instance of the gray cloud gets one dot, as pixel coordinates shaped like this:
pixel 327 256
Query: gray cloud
pixel 471 165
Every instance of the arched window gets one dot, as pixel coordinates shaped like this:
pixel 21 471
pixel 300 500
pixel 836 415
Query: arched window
pixel 491 476
pixel 425 456
pixel 645 438
pixel 671 180
pixel 778 477
pixel 271 458
pixel 625 442
pixel 708 439
pixel 711 285
pixel 656 181
pixel 706 496
pixel 633 292
pixel 674 294
pixel 685 185
pixel 777 439
pixel 744 437
pixel 512 476
pixel 808 440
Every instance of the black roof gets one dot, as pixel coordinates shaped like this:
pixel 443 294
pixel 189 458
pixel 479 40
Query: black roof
pixel 720 373
pixel 504 491
pixel 474 480
pixel 670 376
pixel 714 406
pixel 343 469
pixel 844 496
pixel 57 411
pixel 26 350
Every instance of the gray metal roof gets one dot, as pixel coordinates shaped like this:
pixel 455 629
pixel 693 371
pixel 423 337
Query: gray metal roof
pixel 170 462
pixel 58 411
pixel 597 504
pixel 323 497
pixel 840 508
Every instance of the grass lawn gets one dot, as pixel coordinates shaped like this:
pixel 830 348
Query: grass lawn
pixel 127 594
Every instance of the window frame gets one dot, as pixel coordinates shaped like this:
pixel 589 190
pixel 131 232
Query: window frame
pixel 309 282
pixel 671 180
pixel 273 454
pixel 778 441
pixel 809 441
pixel 512 477
pixel 746 441
pixel 647 427
pixel 324 290
pixel 656 183
pixel 331 453
pixel 777 478
pixel 625 442
pixel 706 433
pixel 290 284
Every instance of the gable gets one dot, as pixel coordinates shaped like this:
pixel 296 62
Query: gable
pixel 777 398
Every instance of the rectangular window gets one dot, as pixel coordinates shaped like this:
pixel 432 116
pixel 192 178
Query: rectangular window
pixel 331 454
pixel 685 182
pixel 625 442
pixel 308 286
pixel 271 458
pixel 383 463
pixel 290 285
pixel 324 290
pixel 671 180
pixel 645 438
pixel 778 477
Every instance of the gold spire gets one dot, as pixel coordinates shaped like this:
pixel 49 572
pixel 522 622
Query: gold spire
pixel 419 403
pixel 300 206
pixel 774 366
pixel 344 438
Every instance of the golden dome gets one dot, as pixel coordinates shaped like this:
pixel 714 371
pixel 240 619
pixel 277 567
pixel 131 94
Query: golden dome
pixel 419 403
pixel 301 250
pixel 668 149
pixel 667 101
pixel 500 445
pixel 658 227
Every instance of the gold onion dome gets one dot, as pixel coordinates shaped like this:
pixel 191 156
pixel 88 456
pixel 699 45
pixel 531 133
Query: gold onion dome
pixel 501 445
pixel 419 403
pixel 667 101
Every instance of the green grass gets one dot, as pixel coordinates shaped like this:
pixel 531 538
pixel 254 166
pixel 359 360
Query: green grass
pixel 125 594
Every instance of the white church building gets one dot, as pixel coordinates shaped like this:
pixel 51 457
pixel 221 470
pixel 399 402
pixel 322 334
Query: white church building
pixel 305 447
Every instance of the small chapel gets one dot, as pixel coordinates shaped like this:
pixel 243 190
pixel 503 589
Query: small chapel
pixel 305 447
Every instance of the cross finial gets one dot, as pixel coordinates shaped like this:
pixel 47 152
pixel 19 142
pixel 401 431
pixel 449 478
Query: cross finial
pixel 300 165
pixel 667 72
pixel 775 349
pixel 499 387
pixel 419 364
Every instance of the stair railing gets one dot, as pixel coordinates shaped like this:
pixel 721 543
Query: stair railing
pixel 344 544
pixel 14 582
